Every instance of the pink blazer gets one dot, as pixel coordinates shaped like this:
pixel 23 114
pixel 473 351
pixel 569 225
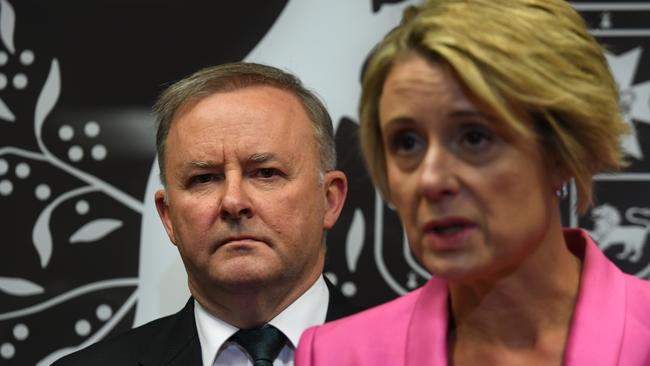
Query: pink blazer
pixel 610 326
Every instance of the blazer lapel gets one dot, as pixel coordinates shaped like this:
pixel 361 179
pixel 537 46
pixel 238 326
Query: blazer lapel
pixel 599 316
pixel 177 344
pixel 426 338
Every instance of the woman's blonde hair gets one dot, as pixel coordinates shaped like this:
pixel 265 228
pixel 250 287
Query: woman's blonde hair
pixel 531 58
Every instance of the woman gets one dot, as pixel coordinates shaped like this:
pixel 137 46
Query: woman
pixel 475 115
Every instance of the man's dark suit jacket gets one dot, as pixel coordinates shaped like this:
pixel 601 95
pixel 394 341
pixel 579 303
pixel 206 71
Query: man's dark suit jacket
pixel 171 340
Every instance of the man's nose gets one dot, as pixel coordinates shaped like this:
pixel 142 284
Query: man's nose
pixel 235 202
pixel 438 175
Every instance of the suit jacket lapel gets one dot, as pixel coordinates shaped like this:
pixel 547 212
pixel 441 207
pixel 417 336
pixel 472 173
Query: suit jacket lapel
pixel 177 344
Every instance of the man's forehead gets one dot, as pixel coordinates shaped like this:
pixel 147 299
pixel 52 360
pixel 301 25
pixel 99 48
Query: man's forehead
pixel 260 115
pixel 253 128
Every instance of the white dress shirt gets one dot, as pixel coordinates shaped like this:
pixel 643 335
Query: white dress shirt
pixel 305 312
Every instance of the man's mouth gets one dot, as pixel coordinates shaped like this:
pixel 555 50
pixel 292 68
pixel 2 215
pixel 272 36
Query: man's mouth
pixel 241 239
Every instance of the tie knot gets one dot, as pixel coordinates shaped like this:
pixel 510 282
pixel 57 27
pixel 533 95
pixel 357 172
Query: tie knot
pixel 262 344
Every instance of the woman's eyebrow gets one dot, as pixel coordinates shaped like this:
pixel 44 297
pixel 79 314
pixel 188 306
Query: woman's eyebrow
pixel 467 113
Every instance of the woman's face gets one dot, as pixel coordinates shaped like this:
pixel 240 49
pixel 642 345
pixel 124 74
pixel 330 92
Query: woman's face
pixel 473 202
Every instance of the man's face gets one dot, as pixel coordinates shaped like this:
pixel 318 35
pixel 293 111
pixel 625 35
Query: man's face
pixel 246 205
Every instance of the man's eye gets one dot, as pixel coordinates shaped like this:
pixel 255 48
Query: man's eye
pixel 203 178
pixel 266 173
pixel 407 142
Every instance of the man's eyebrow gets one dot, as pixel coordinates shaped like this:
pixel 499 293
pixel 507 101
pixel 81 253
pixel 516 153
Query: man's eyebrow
pixel 259 158
pixel 190 167
pixel 202 164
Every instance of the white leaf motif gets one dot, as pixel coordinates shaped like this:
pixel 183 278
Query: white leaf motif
pixel 19 286
pixel 95 230
pixel 48 97
pixel 41 235
pixel 5 112
pixel 7 23
pixel 354 240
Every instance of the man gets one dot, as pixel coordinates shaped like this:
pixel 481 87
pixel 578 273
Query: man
pixel 247 159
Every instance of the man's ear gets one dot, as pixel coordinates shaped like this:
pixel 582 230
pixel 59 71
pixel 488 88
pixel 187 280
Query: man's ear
pixel 335 185
pixel 163 212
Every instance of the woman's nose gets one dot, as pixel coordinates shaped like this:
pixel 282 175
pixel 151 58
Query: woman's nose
pixel 438 175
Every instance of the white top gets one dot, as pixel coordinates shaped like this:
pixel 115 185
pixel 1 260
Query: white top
pixel 305 312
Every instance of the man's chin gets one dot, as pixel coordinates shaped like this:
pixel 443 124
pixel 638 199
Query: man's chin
pixel 245 278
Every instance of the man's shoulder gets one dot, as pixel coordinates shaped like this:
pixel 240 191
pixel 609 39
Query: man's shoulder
pixel 339 306
pixel 125 348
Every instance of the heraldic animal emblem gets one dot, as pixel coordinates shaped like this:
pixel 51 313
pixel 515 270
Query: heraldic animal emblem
pixel 608 230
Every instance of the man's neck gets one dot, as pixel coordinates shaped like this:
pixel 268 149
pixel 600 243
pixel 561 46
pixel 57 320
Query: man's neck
pixel 252 307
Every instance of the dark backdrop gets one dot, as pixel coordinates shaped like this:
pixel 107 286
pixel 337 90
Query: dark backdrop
pixel 77 79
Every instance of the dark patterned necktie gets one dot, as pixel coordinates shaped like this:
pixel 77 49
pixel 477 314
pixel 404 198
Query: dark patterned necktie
pixel 262 344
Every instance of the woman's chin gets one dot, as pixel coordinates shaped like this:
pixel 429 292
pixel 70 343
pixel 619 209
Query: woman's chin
pixel 453 270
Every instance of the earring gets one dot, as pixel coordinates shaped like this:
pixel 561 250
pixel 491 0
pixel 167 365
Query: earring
pixel 563 191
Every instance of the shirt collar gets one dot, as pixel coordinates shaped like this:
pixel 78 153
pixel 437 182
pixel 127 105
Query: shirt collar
pixel 305 312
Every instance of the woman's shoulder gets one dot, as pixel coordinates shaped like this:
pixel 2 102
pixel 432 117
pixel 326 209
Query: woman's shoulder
pixel 638 294
pixel 636 336
pixel 399 308
pixel 362 338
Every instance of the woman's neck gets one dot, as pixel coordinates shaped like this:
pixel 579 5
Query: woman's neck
pixel 524 313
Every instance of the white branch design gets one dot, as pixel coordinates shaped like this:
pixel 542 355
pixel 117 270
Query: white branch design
pixel 97 336
pixel 41 234
pixel 22 152
pixel 46 102
pixel 82 290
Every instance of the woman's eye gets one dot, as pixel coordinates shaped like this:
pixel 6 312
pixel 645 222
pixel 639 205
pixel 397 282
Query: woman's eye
pixel 407 142
pixel 476 138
